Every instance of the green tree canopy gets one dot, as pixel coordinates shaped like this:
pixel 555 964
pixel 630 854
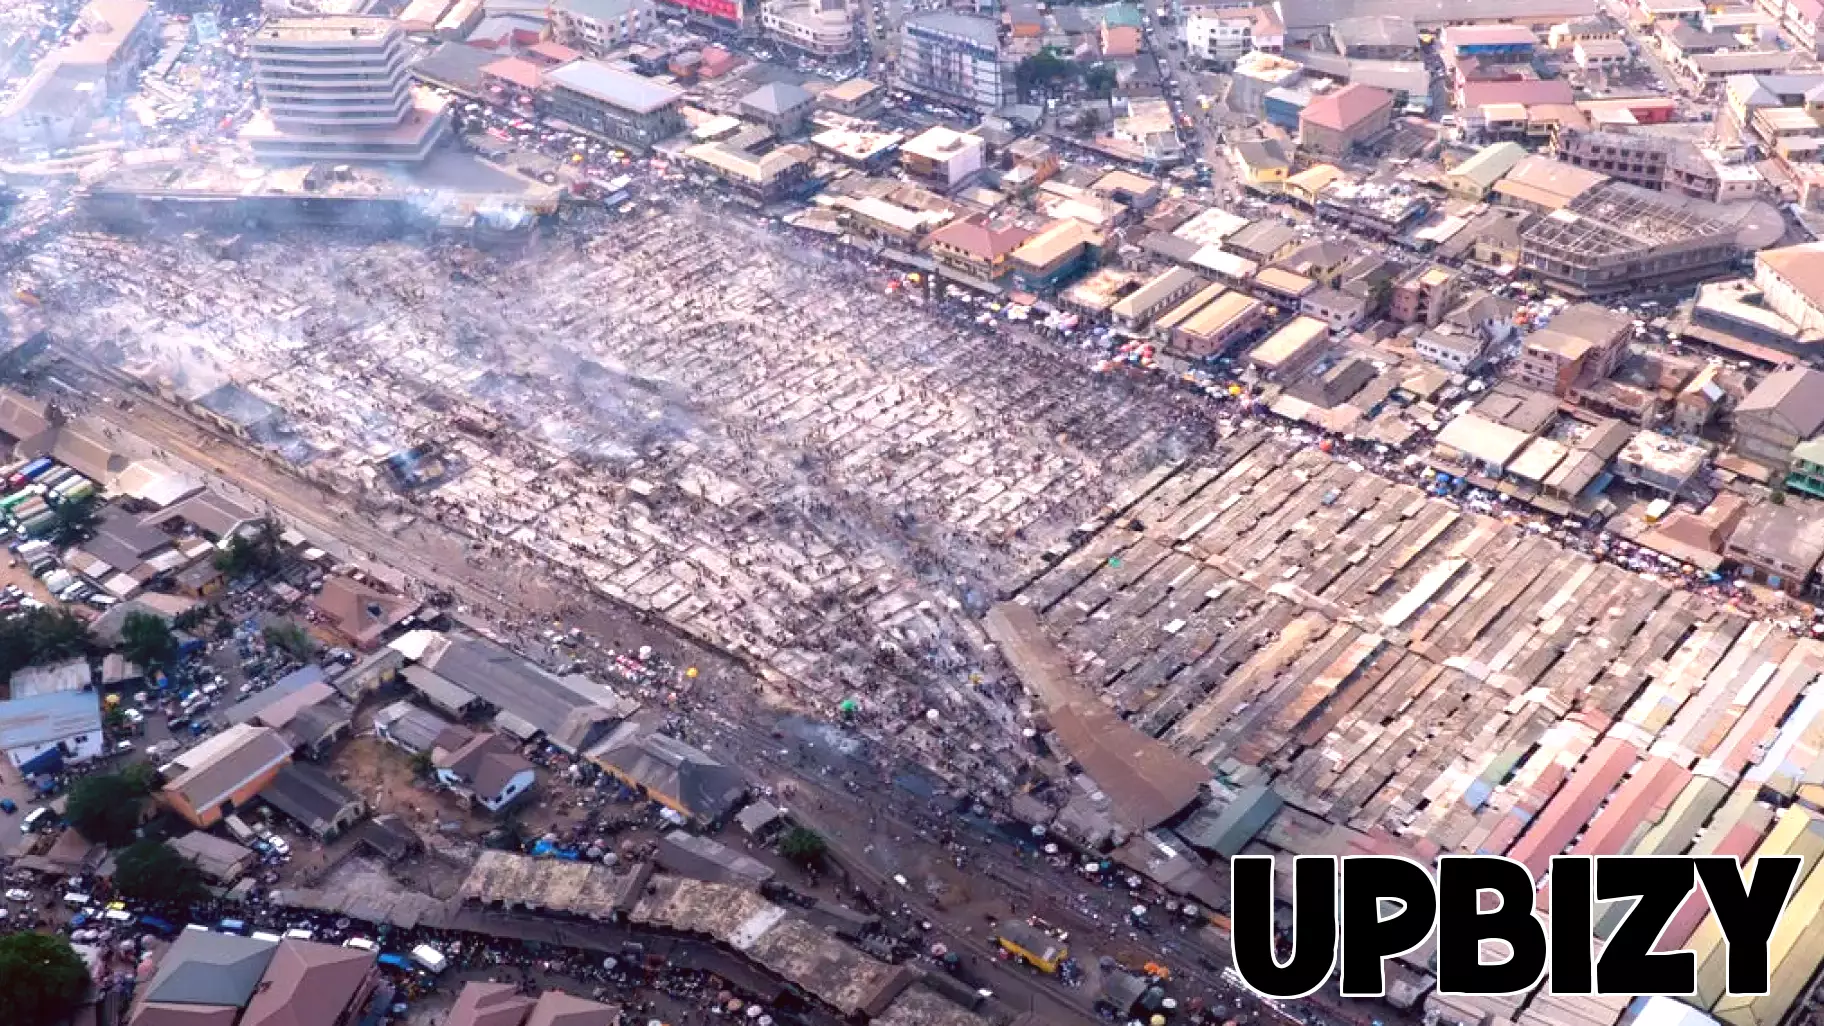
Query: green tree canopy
pixel 803 846
pixel 1042 72
pixel 294 640
pixel 73 521
pixel 146 639
pixel 1100 80
pixel 152 870
pixel 41 979
pixel 41 636
pixel 105 807
pixel 253 553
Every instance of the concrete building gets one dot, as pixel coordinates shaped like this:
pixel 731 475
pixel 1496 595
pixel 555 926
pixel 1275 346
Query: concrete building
pixel 679 776
pixel 1456 351
pixel 956 59
pixel 1636 159
pixel 1786 408
pixel 1222 35
pixel 1335 123
pixel 943 156
pixel 977 246
pixel 822 28
pixel 1424 295
pixel 312 799
pixel 456 671
pixel 856 96
pixel 338 89
pixel 780 106
pixel 1159 294
pixel 598 26
pixel 1616 236
pixel 41 733
pixel 1779 545
pixel 1376 37
pixel 1665 464
pixel 1583 345
pixel 1807 474
pixel 1050 259
pixel 1472 179
pixel 1791 280
pixel 747 162
pixel 487 769
pixel 223 773
pixel 618 105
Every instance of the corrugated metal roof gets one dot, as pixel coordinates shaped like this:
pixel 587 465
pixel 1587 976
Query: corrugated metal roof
pixel 611 85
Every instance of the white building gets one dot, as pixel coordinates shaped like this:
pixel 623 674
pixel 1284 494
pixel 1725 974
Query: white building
pixel 956 59
pixel 67 723
pixel 822 28
pixel 597 26
pixel 1791 279
pixel 337 88
pixel 1221 35
pixel 1455 351
pixel 943 156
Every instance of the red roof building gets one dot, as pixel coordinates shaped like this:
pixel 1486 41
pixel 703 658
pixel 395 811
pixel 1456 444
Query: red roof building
pixel 1336 122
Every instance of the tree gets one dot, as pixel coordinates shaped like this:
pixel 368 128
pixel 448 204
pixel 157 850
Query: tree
pixel 153 871
pixel 1088 121
pixel 73 521
pixel 1042 72
pixel 292 639
pixel 105 807
pixel 41 635
pixel 253 552
pixel 1100 80
pixel 145 638
pixel 803 846
pixel 41 979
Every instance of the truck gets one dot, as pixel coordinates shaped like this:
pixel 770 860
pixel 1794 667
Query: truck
pixel 430 958
pixel 239 828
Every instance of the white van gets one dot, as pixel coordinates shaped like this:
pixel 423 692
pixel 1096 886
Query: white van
pixel 265 936
pixel 34 820
pixel 77 899
pixel 430 958
pixel 360 944
pixel 302 935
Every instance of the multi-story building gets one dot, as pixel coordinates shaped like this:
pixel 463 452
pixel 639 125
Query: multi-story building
pixel 1807 474
pixel 1583 345
pixel 1051 258
pixel 956 59
pixel 1786 408
pixel 1425 295
pixel 1636 159
pixel 943 156
pixel 1376 37
pixel 1617 236
pixel 977 246
pixel 117 37
pixel 729 15
pixel 1334 123
pixel 1791 280
pixel 598 26
pixel 765 174
pixel 1656 461
pixel 337 88
pixel 1779 545
pixel 1220 35
pixel 821 28
pixel 619 105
